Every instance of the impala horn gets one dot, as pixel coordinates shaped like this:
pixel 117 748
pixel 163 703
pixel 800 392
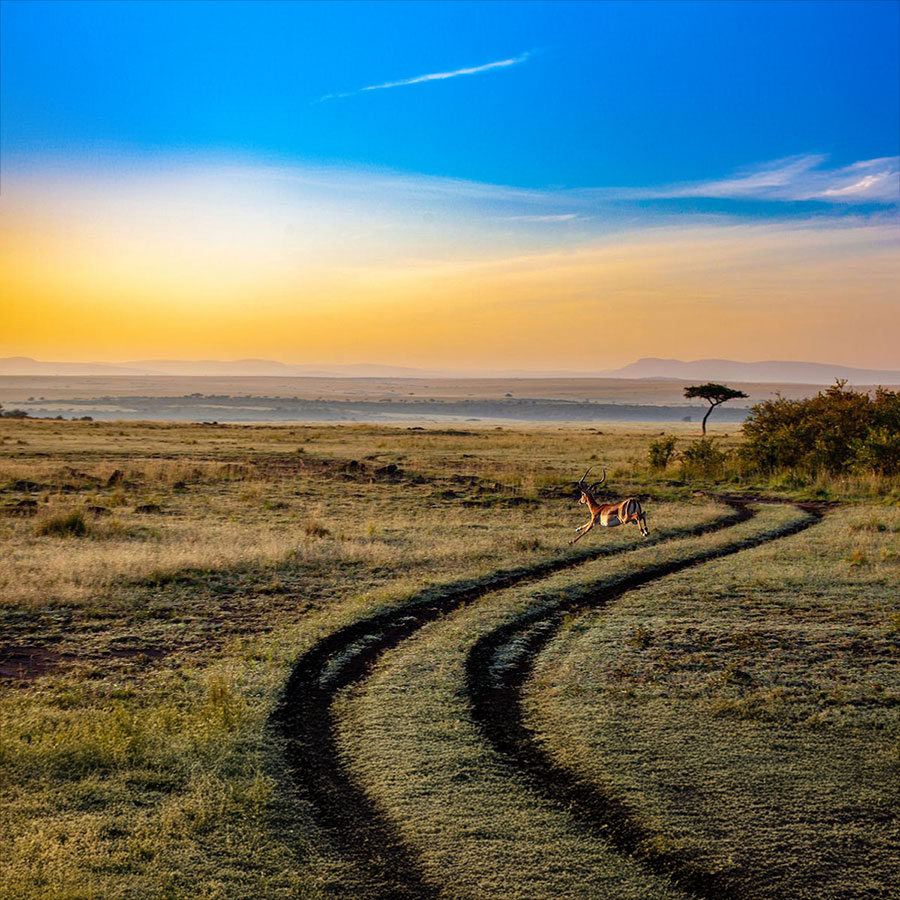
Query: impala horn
pixel 597 484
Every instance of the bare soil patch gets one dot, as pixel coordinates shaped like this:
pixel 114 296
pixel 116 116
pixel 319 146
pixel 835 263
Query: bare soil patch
pixel 25 662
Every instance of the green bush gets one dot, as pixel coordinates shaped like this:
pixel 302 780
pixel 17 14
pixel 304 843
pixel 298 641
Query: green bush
pixel 835 432
pixel 703 459
pixel 662 451
pixel 879 452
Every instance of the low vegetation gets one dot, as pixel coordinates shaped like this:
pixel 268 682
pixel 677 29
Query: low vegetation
pixel 838 445
pixel 835 432
pixel 158 582
pixel 662 451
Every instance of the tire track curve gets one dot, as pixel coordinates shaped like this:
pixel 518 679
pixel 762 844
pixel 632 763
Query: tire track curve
pixel 305 722
pixel 495 696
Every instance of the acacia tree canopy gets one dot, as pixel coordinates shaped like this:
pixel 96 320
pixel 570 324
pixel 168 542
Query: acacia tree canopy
pixel 714 394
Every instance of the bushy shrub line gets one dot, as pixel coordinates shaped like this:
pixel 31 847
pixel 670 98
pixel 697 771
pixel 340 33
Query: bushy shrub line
pixel 836 432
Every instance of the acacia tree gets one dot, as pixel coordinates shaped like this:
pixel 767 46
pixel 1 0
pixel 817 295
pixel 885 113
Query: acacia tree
pixel 714 394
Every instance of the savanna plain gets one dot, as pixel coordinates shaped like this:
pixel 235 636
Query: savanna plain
pixel 335 661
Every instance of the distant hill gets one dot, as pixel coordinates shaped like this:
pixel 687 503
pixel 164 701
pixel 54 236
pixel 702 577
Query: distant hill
pixel 24 365
pixel 212 367
pixel 268 367
pixel 778 372
pixel 760 372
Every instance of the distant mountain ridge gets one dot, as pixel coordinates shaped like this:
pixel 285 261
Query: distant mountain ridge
pixel 772 371
pixel 24 365
pixel 781 371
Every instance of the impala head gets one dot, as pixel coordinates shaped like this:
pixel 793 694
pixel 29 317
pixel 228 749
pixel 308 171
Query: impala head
pixel 587 489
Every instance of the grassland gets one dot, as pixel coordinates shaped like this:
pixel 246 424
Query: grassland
pixel 159 582
pixel 752 715
pixel 410 736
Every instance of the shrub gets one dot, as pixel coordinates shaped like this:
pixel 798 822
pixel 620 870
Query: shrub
pixel 529 545
pixel 834 432
pixel 316 529
pixel 703 459
pixel 662 451
pixel 879 452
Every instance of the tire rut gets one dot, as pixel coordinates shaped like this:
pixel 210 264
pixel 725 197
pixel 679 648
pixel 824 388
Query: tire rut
pixel 495 696
pixel 304 719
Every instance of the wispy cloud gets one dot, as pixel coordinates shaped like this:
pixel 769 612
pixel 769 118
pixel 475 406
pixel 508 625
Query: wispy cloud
pixel 433 76
pixel 803 177
pixel 556 217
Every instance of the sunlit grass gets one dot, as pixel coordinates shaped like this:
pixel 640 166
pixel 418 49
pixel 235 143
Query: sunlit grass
pixel 136 758
pixel 409 737
pixel 770 683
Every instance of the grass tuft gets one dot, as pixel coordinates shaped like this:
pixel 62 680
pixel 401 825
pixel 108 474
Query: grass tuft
pixel 67 523
pixel 315 529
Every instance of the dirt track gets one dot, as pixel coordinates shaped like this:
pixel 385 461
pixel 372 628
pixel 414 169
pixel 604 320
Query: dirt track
pixel 496 701
pixel 353 826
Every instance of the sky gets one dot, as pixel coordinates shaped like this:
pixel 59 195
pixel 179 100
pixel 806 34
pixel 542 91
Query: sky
pixel 547 186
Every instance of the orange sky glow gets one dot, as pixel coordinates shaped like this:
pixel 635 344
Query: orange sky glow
pixel 211 264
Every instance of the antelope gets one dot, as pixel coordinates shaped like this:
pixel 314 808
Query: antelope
pixel 608 514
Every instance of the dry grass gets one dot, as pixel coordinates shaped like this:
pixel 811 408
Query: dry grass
pixel 99 523
pixel 136 762
pixel 135 757
pixel 219 513
pixel 749 716
pixel 473 822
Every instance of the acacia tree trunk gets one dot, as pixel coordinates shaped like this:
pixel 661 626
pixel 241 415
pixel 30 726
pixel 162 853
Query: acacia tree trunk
pixel 712 406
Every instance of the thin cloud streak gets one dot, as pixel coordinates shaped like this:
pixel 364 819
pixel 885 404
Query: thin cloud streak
pixel 801 177
pixel 560 217
pixel 433 76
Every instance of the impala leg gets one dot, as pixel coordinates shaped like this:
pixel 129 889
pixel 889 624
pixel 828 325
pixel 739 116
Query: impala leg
pixel 583 529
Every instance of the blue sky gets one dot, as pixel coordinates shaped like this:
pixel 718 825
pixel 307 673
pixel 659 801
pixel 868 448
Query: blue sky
pixel 609 94
pixel 452 183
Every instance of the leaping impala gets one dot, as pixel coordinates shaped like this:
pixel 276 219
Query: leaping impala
pixel 608 514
